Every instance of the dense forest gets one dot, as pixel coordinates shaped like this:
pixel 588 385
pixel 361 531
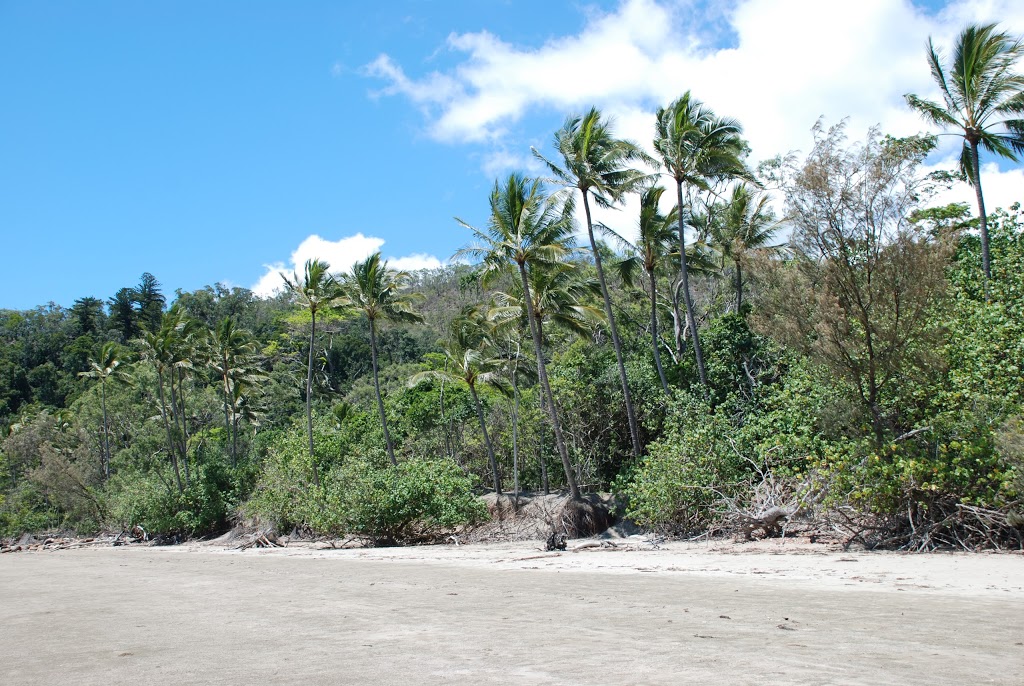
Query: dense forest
pixel 813 334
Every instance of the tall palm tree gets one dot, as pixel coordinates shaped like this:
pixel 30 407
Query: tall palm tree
pixel 471 357
pixel 527 230
pixel 380 294
pixel 316 291
pixel 696 148
pixel 746 224
pixel 983 100
pixel 107 367
pixel 596 164
pixel 230 356
pixel 653 244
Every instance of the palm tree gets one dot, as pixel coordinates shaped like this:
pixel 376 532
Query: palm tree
pixel 317 290
pixel 983 100
pixel 696 147
pixel 230 357
pixel 380 293
pixel 526 230
pixel 649 252
pixel 747 224
pixel 107 367
pixel 470 357
pixel 596 163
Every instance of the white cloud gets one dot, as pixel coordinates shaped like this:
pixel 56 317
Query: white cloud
pixel 340 254
pixel 1001 188
pixel 792 61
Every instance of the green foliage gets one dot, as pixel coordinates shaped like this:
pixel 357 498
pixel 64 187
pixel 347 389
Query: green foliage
pixel 152 502
pixel 415 501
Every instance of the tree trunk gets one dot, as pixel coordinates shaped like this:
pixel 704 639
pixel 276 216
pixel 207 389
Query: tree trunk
pixel 106 431
pixel 686 290
pixel 376 388
pixel 309 398
pixel 739 288
pixel 983 219
pixel 654 331
pixel 542 373
pixel 515 435
pixel 496 477
pixel 545 483
pixel 634 433
pixel 167 428
pixel 228 417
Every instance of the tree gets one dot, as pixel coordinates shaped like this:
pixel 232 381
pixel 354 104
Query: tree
pixel 983 99
pixel 150 301
pixel 649 251
pixel 470 356
pixel 107 367
pixel 380 294
pixel 696 147
pixel 747 224
pixel 857 296
pixel 315 291
pixel 230 356
pixel 526 231
pixel 596 163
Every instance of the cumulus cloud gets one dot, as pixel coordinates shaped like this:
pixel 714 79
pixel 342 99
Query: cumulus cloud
pixel 776 65
pixel 340 254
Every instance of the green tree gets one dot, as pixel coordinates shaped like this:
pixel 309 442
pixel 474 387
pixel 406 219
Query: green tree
pixel 983 99
pixel 652 245
pixel 107 367
pixel 527 230
pixel 231 356
pixel 380 294
pixel 696 147
pixel 470 356
pixel 747 225
pixel 315 291
pixel 596 163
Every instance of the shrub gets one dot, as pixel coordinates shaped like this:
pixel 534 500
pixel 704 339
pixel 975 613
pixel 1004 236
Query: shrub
pixel 413 502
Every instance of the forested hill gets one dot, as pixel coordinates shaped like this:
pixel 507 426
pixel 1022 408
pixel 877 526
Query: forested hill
pixel 849 359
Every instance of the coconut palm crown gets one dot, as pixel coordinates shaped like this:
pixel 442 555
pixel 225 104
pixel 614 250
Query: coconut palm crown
pixel 983 101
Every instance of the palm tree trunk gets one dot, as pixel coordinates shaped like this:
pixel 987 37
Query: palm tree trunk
pixel 634 433
pixel 654 331
pixel 542 373
pixel 376 388
pixel 309 398
pixel 686 290
pixel 545 483
pixel 739 288
pixel 228 422
pixel 167 428
pixel 106 431
pixel 983 219
pixel 487 440
pixel 515 435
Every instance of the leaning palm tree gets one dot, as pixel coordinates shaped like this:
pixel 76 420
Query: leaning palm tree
pixel 380 294
pixel 746 225
pixel 696 148
pixel 596 164
pixel 527 230
pixel 652 246
pixel 470 356
pixel 983 100
pixel 315 291
pixel 104 369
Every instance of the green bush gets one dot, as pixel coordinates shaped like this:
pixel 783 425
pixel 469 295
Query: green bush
pixel 415 501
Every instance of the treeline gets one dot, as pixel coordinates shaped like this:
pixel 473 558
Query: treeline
pixel 857 358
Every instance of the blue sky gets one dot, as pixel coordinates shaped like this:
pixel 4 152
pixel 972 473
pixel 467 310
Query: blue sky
pixel 221 141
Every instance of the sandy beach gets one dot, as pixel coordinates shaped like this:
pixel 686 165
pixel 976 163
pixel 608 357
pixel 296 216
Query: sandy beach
pixel 719 612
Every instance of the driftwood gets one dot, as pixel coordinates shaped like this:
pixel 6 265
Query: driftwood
pixel 262 539
pixel 770 521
